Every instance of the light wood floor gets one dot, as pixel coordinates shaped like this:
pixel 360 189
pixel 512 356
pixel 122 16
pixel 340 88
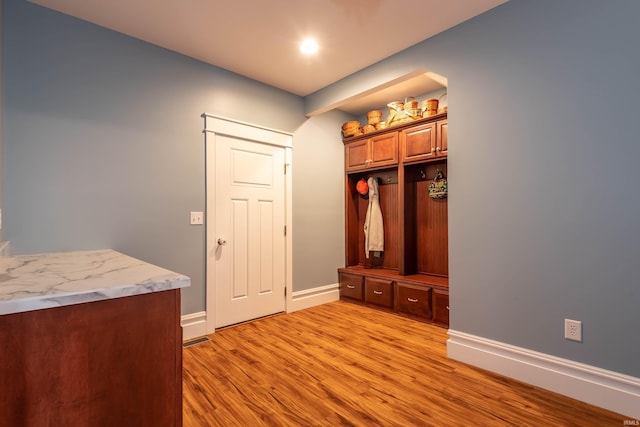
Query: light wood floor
pixel 343 364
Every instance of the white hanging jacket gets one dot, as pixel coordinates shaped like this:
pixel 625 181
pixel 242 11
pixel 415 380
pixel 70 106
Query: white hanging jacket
pixel 373 227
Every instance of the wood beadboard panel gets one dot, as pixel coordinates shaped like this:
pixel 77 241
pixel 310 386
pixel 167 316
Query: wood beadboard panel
pixel 432 252
pixel 407 231
pixel 389 207
pixel 352 218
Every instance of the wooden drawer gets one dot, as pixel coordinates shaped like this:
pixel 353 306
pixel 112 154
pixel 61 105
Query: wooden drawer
pixel 441 306
pixel 378 292
pixel 414 300
pixel 351 286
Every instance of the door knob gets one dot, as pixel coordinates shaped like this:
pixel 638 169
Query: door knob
pixel 222 242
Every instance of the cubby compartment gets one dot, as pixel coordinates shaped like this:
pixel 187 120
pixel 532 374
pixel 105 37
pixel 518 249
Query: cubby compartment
pixel 357 206
pixel 426 242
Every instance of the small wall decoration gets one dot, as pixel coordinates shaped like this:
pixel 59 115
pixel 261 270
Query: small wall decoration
pixel 438 186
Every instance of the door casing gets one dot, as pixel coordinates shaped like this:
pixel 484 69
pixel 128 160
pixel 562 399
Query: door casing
pixel 217 126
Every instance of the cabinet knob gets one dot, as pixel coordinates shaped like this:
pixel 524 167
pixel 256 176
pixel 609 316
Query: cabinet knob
pixel 221 242
pixel 438 149
pixel 433 150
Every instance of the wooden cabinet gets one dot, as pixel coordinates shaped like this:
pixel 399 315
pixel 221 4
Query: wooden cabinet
pixel 116 362
pixel 411 274
pixel 420 297
pixel 424 142
pixel 377 151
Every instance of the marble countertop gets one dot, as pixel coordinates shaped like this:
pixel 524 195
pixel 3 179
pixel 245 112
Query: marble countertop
pixel 34 282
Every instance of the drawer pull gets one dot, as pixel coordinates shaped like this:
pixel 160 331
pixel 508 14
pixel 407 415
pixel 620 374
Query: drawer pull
pixel 412 299
pixel 377 292
pixel 351 287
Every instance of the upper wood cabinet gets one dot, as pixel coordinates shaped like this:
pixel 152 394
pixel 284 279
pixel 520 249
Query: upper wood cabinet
pixel 379 150
pixel 424 142
pixel 442 137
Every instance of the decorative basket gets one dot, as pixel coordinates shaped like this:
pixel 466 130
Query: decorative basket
pixel 410 103
pixel 381 125
pixel 374 117
pixel 430 107
pixel 368 128
pixel 438 186
pixel 351 128
pixel 411 108
pixel 398 117
pixel 395 106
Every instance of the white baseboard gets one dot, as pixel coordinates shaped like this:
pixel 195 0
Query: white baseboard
pixel 607 389
pixel 194 325
pixel 312 297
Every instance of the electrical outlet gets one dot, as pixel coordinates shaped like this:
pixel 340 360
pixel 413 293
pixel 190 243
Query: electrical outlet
pixel 573 330
pixel 197 218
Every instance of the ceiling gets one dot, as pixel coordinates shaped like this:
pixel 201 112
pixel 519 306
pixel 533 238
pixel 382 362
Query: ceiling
pixel 260 39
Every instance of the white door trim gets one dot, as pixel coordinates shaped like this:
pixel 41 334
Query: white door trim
pixel 215 126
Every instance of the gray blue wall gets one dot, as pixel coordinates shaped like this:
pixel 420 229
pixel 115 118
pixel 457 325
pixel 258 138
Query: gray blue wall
pixel 318 200
pixel 542 162
pixel 544 206
pixel 1 101
pixel 104 148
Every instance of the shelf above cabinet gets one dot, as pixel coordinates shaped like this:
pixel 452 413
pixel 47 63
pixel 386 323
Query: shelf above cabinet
pixel 396 128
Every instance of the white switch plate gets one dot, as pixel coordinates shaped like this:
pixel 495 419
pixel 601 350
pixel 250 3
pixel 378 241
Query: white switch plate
pixel 197 218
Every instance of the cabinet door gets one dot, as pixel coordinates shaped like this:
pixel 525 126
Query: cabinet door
pixel 418 143
pixel 384 149
pixel 357 155
pixel 441 306
pixel 442 148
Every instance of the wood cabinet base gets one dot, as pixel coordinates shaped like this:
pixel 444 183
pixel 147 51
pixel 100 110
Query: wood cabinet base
pixel 108 363
pixel 419 297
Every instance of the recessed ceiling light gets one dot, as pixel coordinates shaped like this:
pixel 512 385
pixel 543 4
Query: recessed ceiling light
pixel 309 47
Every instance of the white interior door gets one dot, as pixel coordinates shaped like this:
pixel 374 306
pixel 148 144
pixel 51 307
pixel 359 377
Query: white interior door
pixel 249 246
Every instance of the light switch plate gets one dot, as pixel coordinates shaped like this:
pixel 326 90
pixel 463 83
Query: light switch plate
pixel 197 218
